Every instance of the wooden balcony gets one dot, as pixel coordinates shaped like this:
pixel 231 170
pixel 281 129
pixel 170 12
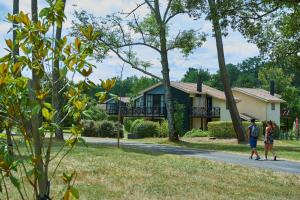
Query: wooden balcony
pixel 127 111
pixel 138 111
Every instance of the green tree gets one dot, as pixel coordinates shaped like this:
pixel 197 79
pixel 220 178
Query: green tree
pixel 57 96
pixel 36 54
pixel 271 72
pixel 142 83
pixel 192 74
pixel 149 31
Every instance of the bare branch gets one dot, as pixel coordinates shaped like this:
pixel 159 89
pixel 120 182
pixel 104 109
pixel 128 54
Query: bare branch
pixel 167 10
pixel 150 6
pixel 135 9
pixel 129 62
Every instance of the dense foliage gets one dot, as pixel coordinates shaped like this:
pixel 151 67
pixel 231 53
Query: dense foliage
pixel 146 129
pixel 223 129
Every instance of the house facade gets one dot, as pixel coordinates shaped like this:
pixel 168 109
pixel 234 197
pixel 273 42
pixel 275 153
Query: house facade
pixel 202 104
pixel 260 104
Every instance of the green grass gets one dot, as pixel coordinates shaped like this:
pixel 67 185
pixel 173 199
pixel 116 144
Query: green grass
pixel 110 173
pixel 285 149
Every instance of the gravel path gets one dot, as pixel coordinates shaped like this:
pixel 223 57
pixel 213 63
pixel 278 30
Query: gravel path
pixel 281 165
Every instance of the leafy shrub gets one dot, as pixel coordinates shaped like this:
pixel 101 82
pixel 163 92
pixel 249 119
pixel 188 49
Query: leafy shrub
pixel 106 129
pixel 128 122
pixel 223 129
pixel 100 129
pixel 134 124
pixel 89 128
pixel 146 129
pixel 113 118
pixel 164 129
pixel 196 133
pixel 95 113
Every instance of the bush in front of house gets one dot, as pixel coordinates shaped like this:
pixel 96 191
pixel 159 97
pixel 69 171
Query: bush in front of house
pixel 90 128
pixel 103 128
pixel 113 118
pixel 164 128
pixel 196 133
pixel 134 124
pixel 146 129
pixel 224 129
pixel 106 129
pixel 127 121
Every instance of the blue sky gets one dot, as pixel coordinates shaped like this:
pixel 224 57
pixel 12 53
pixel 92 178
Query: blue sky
pixel 236 47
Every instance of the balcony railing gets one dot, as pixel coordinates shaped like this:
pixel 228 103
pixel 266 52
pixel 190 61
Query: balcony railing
pixel 157 111
pixel 204 112
pixel 138 111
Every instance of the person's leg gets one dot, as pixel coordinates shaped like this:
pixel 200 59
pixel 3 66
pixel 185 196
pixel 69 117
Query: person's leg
pixel 272 151
pixel 266 150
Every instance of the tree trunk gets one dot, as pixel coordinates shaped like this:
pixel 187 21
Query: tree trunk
pixel 236 120
pixel 36 121
pixel 57 98
pixel 9 141
pixel 173 135
pixel 15 42
pixel 15 53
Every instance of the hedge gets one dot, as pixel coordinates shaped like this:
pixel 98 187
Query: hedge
pixel 224 129
pixel 145 129
pixel 103 128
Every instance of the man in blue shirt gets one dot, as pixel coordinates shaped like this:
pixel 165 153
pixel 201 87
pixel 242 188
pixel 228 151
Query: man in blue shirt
pixel 252 134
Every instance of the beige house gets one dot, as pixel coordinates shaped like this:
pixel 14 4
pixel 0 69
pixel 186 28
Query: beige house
pixel 258 103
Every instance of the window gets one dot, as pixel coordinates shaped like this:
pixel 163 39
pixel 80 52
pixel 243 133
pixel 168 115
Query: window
pixel 273 106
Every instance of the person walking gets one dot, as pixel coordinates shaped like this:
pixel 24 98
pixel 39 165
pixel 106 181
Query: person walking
pixel 252 134
pixel 269 139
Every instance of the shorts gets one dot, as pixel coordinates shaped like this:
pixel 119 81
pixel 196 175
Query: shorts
pixel 253 143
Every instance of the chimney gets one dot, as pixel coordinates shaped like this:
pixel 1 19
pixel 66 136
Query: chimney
pixel 199 84
pixel 272 87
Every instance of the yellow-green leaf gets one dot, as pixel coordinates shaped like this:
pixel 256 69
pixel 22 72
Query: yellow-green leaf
pixel 85 72
pixel 9 43
pixel 46 114
pixel 77 44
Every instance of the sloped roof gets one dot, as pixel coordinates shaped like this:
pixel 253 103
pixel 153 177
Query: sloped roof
pixel 191 88
pixel 123 99
pixel 260 94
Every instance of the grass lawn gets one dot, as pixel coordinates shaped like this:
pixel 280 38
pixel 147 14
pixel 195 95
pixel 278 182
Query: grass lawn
pixel 110 173
pixel 284 148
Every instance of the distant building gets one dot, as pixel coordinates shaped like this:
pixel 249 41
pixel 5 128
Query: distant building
pixel 259 104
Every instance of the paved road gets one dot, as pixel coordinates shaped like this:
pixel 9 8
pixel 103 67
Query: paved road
pixel 280 165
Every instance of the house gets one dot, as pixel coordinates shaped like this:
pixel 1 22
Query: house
pixel 112 105
pixel 260 104
pixel 202 104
